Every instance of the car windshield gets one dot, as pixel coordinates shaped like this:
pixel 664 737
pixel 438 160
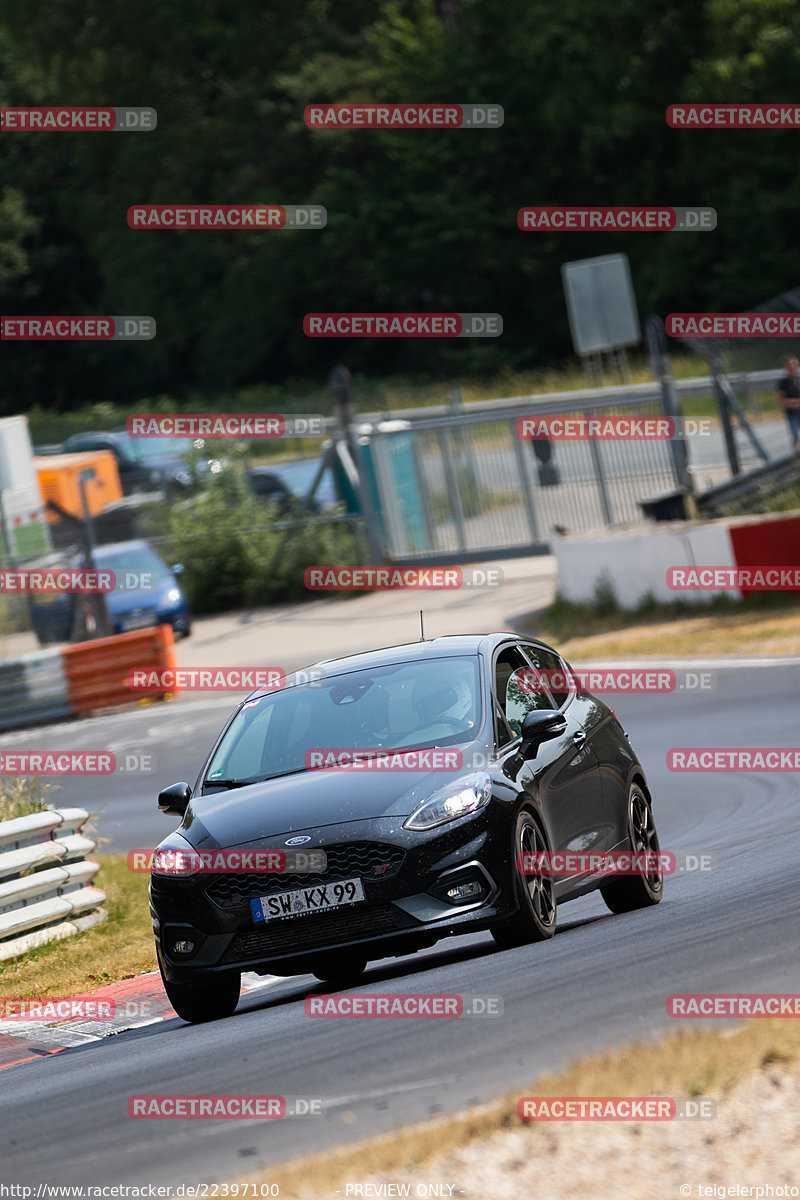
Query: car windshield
pixel 138 559
pixel 431 702
pixel 145 449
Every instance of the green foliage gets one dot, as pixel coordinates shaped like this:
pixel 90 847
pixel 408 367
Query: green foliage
pixel 238 552
pixel 21 795
pixel 415 219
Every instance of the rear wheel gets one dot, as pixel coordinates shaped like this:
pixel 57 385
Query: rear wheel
pixel 339 969
pixel 630 892
pixel 535 919
pixel 211 998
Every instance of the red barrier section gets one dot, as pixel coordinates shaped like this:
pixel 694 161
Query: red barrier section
pixel 769 541
pixel 96 672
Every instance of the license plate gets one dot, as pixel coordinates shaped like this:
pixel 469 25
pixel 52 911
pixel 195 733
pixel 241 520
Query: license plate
pixel 305 900
pixel 139 620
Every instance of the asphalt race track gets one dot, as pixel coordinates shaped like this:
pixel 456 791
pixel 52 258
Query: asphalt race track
pixel 603 979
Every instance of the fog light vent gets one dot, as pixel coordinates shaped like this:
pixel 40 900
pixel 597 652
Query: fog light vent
pixel 183 947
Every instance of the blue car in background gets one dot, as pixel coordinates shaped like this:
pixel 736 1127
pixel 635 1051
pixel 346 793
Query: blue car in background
pixel 147 591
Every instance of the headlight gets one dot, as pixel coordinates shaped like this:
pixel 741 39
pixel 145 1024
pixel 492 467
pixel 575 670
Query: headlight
pixel 173 596
pixel 175 862
pixel 462 796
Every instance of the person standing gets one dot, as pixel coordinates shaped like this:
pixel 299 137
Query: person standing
pixel 789 399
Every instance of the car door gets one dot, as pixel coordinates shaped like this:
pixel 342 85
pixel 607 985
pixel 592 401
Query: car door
pixel 564 773
pixel 587 724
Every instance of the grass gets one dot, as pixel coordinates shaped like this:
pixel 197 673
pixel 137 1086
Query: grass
pixel 120 947
pixel 20 796
pixel 767 624
pixel 688 1063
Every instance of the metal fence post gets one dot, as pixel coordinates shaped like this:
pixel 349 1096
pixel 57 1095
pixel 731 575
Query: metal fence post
pixel 452 487
pixel 600 478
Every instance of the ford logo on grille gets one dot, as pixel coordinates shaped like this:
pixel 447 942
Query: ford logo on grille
pixel 298 841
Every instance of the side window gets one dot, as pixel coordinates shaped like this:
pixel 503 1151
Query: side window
pixel 519 691
pixel 554 669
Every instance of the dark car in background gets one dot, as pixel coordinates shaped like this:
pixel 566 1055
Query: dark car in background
pixel 288 484
pixel 147 464
pixel 410 856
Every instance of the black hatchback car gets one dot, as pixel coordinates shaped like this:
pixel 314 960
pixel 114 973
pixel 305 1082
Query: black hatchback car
pixel 498 754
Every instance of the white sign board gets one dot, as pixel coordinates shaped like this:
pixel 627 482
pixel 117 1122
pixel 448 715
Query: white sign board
pixel 601 303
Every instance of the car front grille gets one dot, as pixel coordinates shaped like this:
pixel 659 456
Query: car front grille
pixel 359 860
pixel 310 931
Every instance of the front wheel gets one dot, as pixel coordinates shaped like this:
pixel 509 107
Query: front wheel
pixel 211 998
pixel 535 919
pixel 630 892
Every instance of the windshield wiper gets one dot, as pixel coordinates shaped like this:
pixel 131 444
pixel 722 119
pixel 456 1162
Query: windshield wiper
pixel 233 783
pixel 228 783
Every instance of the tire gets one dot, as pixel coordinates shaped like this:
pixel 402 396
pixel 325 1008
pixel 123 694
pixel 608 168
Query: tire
pixel 535 919
pixel 340 969
pixel 630 892
pixel 210 999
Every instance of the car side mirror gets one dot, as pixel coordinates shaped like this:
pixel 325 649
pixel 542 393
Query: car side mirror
pixel 541 725
pixel 174 800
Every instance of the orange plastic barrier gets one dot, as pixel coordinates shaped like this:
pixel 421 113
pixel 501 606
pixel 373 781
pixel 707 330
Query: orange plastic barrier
pixel 97 672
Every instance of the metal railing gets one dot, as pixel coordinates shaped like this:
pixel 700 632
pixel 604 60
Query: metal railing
pixel 459 482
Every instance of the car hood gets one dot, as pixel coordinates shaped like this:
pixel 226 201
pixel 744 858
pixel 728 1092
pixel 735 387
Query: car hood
pixel 312 799
pixel 124 600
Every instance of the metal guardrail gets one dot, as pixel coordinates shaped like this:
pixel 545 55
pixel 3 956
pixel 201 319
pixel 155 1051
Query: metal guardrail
pixel 45 880
pixel 455 483
pixel 585 399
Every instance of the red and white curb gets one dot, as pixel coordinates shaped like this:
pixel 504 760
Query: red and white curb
pixel 135 1003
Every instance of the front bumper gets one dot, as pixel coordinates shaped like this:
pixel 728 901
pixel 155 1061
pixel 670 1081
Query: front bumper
pixel 405 876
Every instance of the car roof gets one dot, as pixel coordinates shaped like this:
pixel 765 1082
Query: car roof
pixel 447 646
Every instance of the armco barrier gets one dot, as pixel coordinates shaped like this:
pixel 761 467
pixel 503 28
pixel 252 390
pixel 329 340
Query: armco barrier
pixel 96 671
pixel 68 680
pixel 45 891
